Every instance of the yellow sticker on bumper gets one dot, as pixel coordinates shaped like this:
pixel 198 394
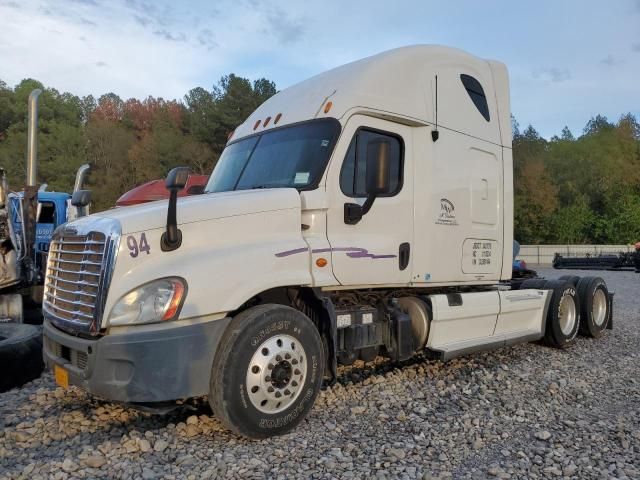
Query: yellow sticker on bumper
pixel 62 376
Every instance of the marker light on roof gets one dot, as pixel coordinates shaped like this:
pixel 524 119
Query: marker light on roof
pixel 277 119
pixel 257 124
pixel 327 107
pixel 266 121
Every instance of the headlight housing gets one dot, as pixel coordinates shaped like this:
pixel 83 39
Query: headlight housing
pixel 152 302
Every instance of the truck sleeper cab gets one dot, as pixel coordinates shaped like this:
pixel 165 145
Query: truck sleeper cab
pixel 348 217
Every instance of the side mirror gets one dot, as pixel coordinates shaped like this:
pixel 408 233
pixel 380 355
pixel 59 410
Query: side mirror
pixel 377 182
pixel 81 198
pixel 177 178
pixel 176 181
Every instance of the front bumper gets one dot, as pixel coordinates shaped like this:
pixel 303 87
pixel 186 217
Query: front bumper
pixel 168 363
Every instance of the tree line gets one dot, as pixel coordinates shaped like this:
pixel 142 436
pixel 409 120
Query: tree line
pixel 568 189
pixel 580 190
pixel 127 142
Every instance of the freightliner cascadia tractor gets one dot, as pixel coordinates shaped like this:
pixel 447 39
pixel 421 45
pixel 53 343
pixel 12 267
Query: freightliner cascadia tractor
pixel 366 211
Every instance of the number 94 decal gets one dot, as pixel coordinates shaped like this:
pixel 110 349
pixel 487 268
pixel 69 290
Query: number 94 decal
pixel 138 246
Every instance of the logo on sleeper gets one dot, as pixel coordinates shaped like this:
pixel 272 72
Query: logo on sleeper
pixel 447 214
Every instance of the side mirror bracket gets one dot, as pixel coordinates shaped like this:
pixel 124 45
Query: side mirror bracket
pixel 176 180
pixel 353 212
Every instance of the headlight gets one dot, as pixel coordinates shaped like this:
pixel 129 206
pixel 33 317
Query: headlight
pixel 152 302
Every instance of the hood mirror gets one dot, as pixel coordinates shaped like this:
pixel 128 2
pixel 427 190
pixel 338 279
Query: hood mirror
pixel 176 181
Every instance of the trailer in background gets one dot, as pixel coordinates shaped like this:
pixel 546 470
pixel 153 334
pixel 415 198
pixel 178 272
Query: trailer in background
pixel 600 261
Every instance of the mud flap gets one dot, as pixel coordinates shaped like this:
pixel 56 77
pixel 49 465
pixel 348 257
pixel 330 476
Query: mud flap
pixel 328 331
pixel 610 321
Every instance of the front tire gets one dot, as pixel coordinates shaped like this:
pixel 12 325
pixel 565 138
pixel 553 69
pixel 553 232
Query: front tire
pixel 267 372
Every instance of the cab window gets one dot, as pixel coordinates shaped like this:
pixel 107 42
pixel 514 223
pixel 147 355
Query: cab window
pixel 354 168
pixel 476 93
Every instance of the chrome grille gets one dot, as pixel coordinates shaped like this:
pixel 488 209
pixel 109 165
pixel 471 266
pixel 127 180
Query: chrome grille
pixel 78 272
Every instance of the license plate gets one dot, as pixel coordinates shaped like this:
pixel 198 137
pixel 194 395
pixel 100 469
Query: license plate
pixel 62 376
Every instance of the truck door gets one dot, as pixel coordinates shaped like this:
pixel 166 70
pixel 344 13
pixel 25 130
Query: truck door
pixel 377 249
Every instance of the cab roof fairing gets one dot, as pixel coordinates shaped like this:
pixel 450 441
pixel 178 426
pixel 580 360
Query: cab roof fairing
pixel 390 82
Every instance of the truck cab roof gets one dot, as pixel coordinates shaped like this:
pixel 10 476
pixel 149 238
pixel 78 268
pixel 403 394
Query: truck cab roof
pixel 389 84
pixel 49 196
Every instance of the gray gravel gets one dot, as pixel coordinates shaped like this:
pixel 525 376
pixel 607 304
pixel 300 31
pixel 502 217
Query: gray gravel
pixel 521 412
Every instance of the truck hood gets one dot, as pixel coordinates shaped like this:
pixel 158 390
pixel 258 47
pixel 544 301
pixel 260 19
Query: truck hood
pixel 197 208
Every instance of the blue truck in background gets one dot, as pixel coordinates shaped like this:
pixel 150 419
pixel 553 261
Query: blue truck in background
pixel 53 210
pixel 21 293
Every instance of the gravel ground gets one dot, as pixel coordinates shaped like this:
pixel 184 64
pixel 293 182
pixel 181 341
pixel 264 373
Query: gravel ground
pixel 521 412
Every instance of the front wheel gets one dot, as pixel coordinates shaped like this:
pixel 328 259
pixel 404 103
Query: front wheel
pixel 267 371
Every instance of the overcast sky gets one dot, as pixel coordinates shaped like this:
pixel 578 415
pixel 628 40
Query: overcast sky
pixel 568 60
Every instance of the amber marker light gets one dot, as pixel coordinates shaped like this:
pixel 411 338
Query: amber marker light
pixel 176 301
pixel 277 119
pixel 327 107
pixel 321 262
pixel 266 121
pixel 257 124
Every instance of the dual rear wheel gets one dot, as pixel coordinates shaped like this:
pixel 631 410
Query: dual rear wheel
pixel 577 305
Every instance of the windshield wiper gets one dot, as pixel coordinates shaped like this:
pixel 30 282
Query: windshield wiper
pixel 267 185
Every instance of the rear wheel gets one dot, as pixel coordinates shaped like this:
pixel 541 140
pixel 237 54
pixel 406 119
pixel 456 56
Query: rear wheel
pixel 563 314
pixel 594 306
pixel 267 372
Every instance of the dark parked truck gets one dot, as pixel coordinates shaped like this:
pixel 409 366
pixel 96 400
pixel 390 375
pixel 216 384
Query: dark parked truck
pixel 366 211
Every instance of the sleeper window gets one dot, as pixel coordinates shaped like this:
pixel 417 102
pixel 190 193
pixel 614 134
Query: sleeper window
pixel 476 92
pixel 354 168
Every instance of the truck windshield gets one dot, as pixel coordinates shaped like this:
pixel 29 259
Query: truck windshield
pixel 293 156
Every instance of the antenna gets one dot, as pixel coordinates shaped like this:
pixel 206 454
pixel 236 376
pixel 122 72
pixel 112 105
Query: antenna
pixel 435 134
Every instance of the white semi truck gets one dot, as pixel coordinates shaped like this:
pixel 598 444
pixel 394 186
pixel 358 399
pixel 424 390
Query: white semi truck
pixel 366 211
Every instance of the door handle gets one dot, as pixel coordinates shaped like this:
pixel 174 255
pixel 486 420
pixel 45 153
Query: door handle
pixel 403 255
pixel 485 189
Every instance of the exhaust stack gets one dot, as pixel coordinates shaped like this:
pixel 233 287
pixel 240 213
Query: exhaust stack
pixel 32 139
pixel 81 175
pixel 30 199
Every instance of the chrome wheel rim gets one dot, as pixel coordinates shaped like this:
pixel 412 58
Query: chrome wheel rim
pixel 599 307
pixel 276 374
pixel 567 314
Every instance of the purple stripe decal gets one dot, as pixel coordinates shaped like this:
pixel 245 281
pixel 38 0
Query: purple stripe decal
pixel 292 252
pixel 352 252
